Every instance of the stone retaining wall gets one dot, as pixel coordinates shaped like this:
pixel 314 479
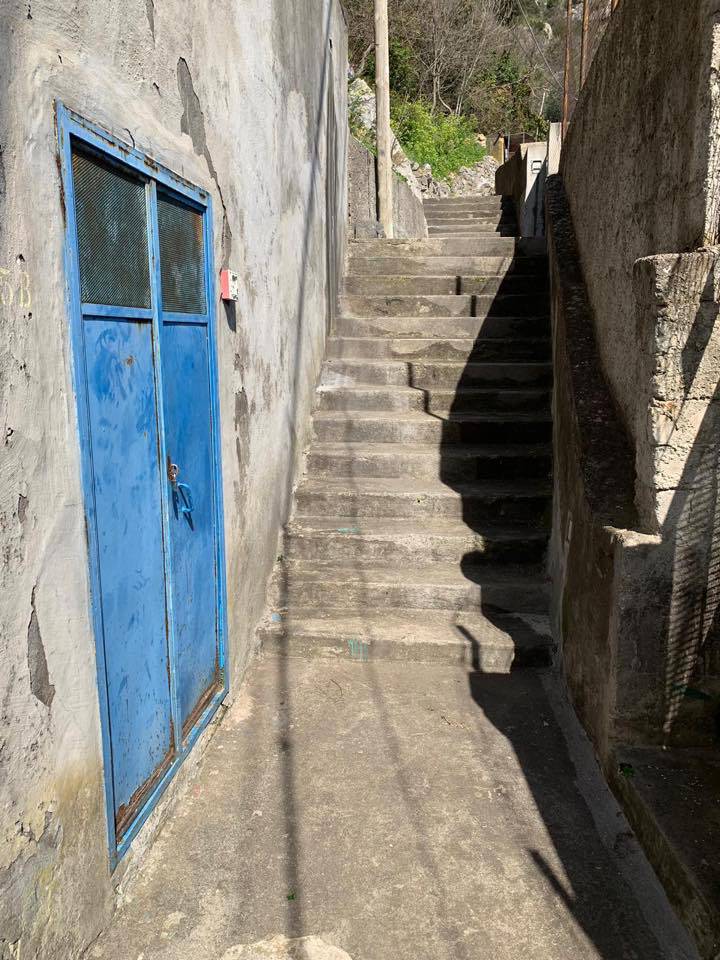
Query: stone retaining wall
pixel 408 213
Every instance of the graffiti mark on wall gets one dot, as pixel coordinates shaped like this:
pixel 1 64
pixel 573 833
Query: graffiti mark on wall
pixel 359 650
pixel 15 288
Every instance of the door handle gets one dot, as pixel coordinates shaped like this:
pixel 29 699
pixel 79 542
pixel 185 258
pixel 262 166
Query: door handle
pixel 182 494
pixel 185 500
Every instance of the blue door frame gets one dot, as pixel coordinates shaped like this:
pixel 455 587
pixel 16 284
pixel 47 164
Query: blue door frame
pixel 73 129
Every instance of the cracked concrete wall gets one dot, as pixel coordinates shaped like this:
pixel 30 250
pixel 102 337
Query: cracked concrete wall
pixel 232 95
pixel 641 165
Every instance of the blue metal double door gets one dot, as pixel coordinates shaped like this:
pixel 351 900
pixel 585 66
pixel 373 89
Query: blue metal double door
pixel 141 266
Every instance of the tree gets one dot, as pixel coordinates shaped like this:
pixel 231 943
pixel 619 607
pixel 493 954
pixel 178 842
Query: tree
pixel 453 54
pixel 361 33
pixel 451 41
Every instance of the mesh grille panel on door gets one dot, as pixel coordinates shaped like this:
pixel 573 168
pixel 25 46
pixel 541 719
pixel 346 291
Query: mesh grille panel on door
pixel 182 258
pixel 111 217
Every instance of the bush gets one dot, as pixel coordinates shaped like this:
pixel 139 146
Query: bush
pixel 502 99
pixel 404 77
pixel 445 142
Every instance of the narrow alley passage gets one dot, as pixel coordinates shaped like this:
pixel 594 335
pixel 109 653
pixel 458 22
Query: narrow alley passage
pixel 400 774
pixel 398 811
pixel 420 528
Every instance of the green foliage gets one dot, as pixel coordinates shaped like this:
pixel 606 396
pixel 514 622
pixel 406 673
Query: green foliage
pixel 503 96
pixel 532 10
pixel 505 69
pixel 445 142
pixel 404 77
pixel 553 107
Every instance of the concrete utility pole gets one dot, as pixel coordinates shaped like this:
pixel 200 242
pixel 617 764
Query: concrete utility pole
pixel 584 49
pixel 384 133
pixel 568 54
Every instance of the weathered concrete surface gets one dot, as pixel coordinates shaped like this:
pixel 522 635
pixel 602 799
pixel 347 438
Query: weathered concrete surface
pixel 653 309
pixel 408 216
pixel 678 301
pixel 677 458
pixel 671 798
pixel 636 613
pixel 233 96
pixel 522 177
pixel 280 948
pixel 610 587
pixel 398 810
pixel 640 163
pixel 367 601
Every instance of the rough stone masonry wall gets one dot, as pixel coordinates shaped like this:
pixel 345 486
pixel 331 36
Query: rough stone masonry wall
pixel 232 95
pixel 640 169
pixel 606 601
pixel 641 165
pixel 677 299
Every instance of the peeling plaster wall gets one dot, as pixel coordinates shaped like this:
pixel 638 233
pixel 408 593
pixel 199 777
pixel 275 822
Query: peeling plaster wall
pixel 233 96
pixel 641 164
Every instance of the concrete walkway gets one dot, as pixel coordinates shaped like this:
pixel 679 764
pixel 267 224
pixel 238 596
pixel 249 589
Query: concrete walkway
pixel 368 789
pixel 398 811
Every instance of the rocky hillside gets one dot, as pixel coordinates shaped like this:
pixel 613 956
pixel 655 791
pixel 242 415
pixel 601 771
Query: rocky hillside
pixel 475 180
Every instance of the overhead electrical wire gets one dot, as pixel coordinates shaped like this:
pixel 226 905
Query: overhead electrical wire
pixel 540 49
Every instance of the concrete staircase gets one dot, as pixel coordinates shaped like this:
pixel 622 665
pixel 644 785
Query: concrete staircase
pixel 420 527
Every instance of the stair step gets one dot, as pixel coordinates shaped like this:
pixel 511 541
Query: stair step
pixel 454 305
pixel 490 218
pixel 493 326
pixel 463 262
pixel 493 203
pixel 470 228
pixel 392 286
pixel 368 540
pixel 395 427
pixel 429 375
pixel 463 233
pixel 433 586
pixel 495 643
pixel 413 348
pixel 369 397
pixel 449 230
pixel 483 228
pixel 507 502
pixel 421 526
pixel 491 246
pixel 451 463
